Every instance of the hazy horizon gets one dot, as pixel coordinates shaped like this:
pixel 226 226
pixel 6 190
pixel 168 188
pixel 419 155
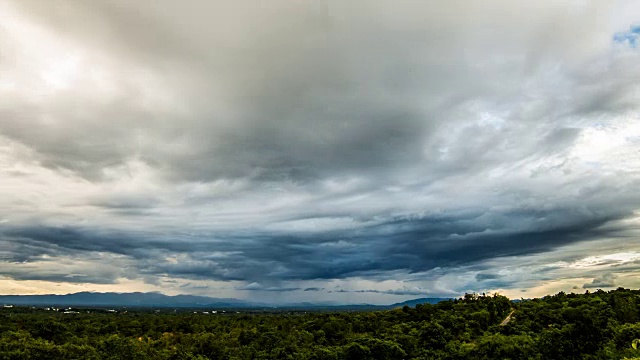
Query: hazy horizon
pixel 352 152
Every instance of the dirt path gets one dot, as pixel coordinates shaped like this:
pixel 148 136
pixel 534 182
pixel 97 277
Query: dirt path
pixel 507 319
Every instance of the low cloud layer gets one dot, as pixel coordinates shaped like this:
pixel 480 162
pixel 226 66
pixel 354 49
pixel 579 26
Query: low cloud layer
pixel 314 147
pixel 605 281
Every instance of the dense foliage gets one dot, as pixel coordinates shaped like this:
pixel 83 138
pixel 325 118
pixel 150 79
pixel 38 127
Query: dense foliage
pixel 599 325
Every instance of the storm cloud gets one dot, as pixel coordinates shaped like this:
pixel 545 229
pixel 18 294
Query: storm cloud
pixel 285 147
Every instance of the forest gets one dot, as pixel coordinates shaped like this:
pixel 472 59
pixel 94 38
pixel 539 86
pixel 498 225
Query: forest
pixel 596 325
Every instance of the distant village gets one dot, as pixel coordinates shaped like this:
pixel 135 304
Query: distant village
pixel 72 310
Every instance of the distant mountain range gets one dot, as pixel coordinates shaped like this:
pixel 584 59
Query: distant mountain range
pixel 157 300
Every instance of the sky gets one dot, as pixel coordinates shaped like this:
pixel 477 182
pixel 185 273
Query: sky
pixel 329 151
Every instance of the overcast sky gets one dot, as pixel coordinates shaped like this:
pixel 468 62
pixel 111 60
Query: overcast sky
pixel 347 151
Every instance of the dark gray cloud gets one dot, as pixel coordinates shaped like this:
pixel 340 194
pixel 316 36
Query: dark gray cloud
pixel 313 289
pixel 412 245
pixel 415 291
pixel 260 287
pixel 486 276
